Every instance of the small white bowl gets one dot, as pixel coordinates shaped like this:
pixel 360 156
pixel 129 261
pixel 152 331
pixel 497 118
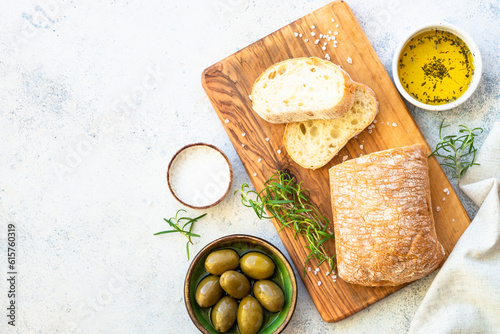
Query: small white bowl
pixel 476 56
pixel 199 175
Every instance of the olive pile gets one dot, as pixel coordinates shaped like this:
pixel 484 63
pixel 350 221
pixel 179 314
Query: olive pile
pixel 224 278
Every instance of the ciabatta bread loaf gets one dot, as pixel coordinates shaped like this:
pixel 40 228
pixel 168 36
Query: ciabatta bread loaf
pixel 383 222
pixel 312 144
pixel 302 89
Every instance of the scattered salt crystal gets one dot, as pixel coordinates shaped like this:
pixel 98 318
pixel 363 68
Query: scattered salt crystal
pixel 374 121
pixel 361 155
pixel 355 137
pixel 242 145
pixel 323 48
pixel 445 190
pixel 329 31
pixel 316 41
pixel 319 283
pixel 308 268
pixel 267 139
pixel 243 134
pixel 254 174
pixel 438 208
pixel 313 27
pixel 345 158
pixel 334 280
pixel 306 40
pixel 279 151
pixel 444 199
pixel 226 121
pixel 324 43
pixel 250 97
pixel 333 20
pixel 349 60
pixel 316 270
pixel 337 26
pixel 361 146
pixel 327 273
pixel 387 123
pixel 394 124
pixel 300 35
pixel 259 160
pixel 313 33
pixel 296 34
pixel 369 131
pixel 320 35
pixel 335 32
pixel 453 220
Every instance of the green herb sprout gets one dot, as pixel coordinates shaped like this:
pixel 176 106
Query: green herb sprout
pixel 285 200
pixel 458 151
pixel 175 223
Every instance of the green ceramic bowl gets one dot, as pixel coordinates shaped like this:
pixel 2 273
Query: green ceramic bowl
pixel 283 276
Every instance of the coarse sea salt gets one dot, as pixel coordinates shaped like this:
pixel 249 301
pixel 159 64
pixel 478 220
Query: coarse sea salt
pixel 199 175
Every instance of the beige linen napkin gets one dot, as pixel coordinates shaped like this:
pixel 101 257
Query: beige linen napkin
pixel 465 295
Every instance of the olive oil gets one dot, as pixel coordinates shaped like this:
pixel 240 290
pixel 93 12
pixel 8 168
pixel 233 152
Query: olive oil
pixel 436 67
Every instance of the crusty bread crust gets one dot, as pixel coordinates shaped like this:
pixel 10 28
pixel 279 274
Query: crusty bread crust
pixel 343 106
pixel 291 130
pixel 384 225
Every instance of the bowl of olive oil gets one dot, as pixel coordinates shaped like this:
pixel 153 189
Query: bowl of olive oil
pixel 437 67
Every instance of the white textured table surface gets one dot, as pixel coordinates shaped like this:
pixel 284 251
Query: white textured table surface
pixel 96 96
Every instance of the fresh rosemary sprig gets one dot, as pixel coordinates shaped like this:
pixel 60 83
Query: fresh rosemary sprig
pixel 458 151
pixel 185 229
pixel 285 200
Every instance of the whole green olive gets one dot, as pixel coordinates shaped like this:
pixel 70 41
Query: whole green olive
pixel 224 314
pixel 269 295
pixel 257 265
pixel 221 260
pixel 208 291
pixel 235 284
pixel 250 315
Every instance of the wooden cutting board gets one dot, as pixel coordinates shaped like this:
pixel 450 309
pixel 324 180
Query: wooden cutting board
pixel 260 144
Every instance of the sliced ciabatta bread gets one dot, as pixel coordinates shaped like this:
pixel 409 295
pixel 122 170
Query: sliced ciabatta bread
pixel 312 144
pixel 301 89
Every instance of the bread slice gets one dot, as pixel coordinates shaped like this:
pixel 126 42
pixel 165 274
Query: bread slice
pixel 312 144
pixel 302 89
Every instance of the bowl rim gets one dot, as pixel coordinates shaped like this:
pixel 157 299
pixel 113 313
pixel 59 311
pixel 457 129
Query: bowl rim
pixel 235 238
pixel 228 186
pixel 476 55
